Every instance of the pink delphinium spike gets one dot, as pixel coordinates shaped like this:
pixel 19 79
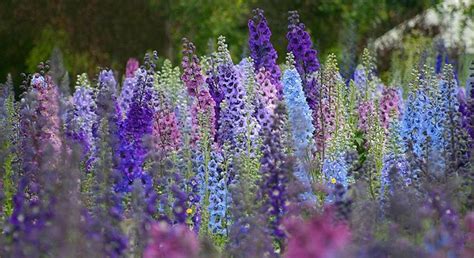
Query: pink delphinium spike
pixel 171 242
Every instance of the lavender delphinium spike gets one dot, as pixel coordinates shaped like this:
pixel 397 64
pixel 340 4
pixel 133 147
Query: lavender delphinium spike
pixel 454 137
pixel 83 120
pixel 232 123
pixel 129 84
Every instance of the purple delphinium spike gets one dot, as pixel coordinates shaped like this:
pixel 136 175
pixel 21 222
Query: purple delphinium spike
pixel 306 60
pixel 137 124
pixel 234 111
pixel 276 169
pixel 107 215
pixel 261 49
pixel 470 105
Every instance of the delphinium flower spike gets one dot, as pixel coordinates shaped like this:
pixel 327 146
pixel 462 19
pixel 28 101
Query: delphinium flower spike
pixel 108 211
pixel 300 120
pixel 82 122
pixel 129 84
pixel 137 125
pixel 40 144
pixel 456 139
pixel 261 49
pixel 306 60
pixel 276 169
pixel 202 110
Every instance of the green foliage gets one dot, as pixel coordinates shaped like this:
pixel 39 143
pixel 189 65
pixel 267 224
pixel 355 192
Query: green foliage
pixel 95 33
pixel 49 39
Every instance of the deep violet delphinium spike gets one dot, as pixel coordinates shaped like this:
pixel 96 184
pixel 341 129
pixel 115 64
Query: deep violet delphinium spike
pixel 83 120
pixel 300 44
pixel 306 60
pixel 300 120
pixel 276 169
pixel 261 49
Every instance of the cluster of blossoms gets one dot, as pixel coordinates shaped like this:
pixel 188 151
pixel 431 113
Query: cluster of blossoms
pixel 246 159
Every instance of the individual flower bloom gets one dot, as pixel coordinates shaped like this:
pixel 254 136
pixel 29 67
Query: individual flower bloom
pixel 167 241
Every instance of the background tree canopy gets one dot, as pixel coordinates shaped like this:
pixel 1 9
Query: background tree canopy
pixel 94 33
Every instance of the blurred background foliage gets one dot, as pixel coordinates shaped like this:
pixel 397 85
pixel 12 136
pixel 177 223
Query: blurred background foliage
pixel 98 33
